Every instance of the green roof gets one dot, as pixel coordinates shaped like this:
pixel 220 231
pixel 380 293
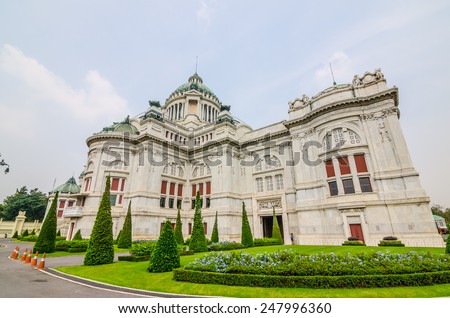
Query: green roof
pixel 124 126
pixel 69 187
pixel 437 217
pixel 195 82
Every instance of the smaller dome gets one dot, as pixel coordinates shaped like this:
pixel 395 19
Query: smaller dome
pixel 69 187
pixel 124 127
pixel 195 82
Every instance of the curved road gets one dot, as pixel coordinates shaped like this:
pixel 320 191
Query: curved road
pixel 19 280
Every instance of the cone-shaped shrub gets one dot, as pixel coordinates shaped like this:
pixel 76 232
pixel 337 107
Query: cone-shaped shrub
pixel 178 229
pixel 276 233
pixel 77 236
pixel 447 247
pixel 25 233
pixel 125 240
pixel 47 236
pixel 215 232
pixel 198 242
pixel 246 236
pixel 33 232
pixel 58 233
pixel 100 249
pixel 165 256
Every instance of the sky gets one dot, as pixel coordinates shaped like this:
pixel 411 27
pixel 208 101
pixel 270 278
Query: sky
pixel 70 68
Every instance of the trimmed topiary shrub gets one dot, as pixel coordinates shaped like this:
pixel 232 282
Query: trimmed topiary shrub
pixel 354 243
pixel 16 235
pixel 25 233
pixel 225 246
pixel 47 236
pixel 246 235
pixel 198 242
pixel 132 258
pixel 29 238
pixel 165 256
pixel 276 233
pixel 447 246
pixel 215 232
pixel 101 248
pixel 125 239
pixel 77 236
pixel 33 232
pixel 58 233
pixel 178 229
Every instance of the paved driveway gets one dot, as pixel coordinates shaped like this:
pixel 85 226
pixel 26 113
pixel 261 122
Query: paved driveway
pixel 19 280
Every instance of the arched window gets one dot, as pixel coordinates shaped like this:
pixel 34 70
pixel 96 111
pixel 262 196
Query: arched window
pixel 340 137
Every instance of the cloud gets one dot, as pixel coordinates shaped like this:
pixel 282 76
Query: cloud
pixel 97 100
pixel 205 13
pixel 343 71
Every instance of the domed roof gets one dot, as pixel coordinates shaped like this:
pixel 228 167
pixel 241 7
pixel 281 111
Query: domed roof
pixel 125 126
pixel 195 82
pixel 69 187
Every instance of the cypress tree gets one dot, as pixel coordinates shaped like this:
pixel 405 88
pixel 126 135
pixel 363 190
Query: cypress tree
pixel 198 242
pixel 77 236
pixel 165 256
pixel 276 233
pixel 16 235
pixel 246 238
pixel 125 240
pixel 47 236
pixel 100 249
pixel 447 246
pixel 215 232
pixel 178 229
pixel 58 233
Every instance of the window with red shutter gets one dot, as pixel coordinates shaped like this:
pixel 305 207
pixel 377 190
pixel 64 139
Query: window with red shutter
pixel 330 168
pixel 61 204
pixel 115 184
pixel 344 166
pixel 172 188
pixel 180 190
pixel 208 188
pixel 87 184
pixel 360 162
pixel 200 186
pixel 194 190
pixel 122 186
pixel 163 187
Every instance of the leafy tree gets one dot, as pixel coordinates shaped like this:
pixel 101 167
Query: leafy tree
pixel 246 237
pixel 276 233
pixel 165 256
pixel 33 202
pixel 77 236
pixel 215 232
pixel 4 164
pixel 125 240
pixel 101 249
pixel 47 236
pixel 198 241
pixel 178 229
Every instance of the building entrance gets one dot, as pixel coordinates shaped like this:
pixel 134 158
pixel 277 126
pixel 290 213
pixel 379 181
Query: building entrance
pixel 268 225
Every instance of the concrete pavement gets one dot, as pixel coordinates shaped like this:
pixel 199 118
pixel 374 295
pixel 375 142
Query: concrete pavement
pixel 19 280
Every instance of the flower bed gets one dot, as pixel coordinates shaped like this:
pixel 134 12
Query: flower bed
pixel 291 269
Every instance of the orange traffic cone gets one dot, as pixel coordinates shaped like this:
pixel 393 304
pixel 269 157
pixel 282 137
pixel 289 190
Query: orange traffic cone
pixel 34 260
pixel 24 255
pixel 13 253
pixel 42 263
pixel 16 254
pixel 28 259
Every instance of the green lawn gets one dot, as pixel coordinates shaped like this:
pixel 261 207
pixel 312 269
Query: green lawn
pixel 135 275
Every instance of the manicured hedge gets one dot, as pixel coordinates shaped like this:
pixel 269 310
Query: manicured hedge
pixel 79 246
pixel 131 258
pixel 29 238
pixel 267 241
pixel 349 281
pixel 354 243
pixel 391 243
pixel 225 246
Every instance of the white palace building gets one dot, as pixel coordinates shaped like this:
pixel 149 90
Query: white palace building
pixel 338 167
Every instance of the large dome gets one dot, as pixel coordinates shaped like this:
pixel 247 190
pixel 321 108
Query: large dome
pixel 69 187
pixel 124 127
pixel 195 82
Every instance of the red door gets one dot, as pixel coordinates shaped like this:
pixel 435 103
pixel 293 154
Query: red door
pixel 356 231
